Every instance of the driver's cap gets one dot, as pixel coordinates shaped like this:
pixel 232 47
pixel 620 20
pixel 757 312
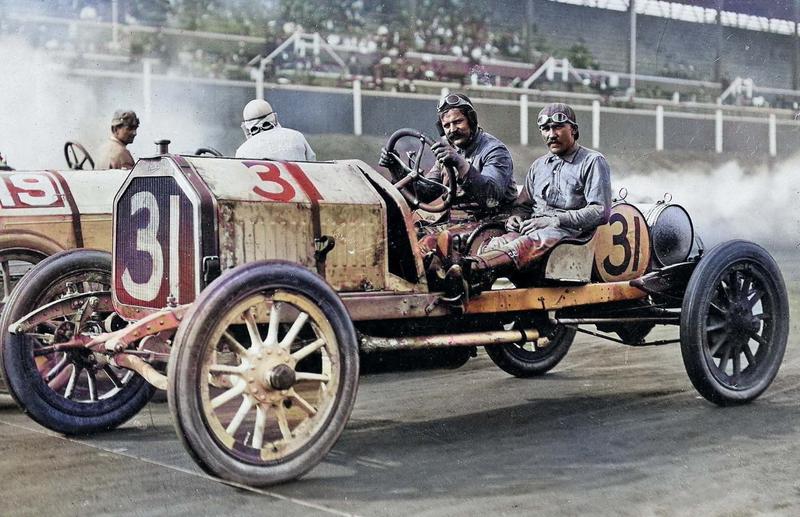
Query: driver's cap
pixel 126 118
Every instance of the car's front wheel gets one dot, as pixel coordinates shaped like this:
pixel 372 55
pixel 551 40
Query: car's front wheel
pixel 72 391
pixel 263 373
pixel 734 323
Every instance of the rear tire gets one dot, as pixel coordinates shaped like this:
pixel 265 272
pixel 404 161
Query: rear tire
pixel 14 264
pixel 734 323
pixel 530 359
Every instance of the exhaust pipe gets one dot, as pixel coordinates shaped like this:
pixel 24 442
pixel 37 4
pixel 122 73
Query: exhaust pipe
pixel 496 337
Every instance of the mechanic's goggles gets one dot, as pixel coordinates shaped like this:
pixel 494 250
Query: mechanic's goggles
pixel 556 118
pixel 254 126
pixel 453 101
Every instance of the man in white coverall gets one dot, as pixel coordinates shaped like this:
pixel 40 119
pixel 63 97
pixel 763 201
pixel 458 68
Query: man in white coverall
pixel 267 139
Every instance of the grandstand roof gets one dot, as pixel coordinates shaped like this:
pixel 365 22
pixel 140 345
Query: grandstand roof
pixel 774 9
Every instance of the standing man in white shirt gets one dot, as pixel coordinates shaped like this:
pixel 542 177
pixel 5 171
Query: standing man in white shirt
pixel 267 139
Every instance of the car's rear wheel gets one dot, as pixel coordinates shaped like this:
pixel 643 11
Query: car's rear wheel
pixel 73 391
pixel 14 264
pixel 263 373
pixel 533 358
pixel 734 323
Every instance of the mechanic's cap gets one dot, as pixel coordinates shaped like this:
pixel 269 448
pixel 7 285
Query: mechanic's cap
pixel 125 118
pixel 558 113
pixel 256 109
pixel 258 116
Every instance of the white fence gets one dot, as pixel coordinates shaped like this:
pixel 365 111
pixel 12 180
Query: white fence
pixel 647 126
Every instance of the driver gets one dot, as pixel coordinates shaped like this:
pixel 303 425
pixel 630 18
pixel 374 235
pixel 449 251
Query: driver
pixel 484 168
pixel 567 194
pixel 266 138
pixel 484 172
pixel 115 154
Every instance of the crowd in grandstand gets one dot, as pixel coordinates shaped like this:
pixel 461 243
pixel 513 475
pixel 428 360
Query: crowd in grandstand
pixel 376 38
pixel 409 42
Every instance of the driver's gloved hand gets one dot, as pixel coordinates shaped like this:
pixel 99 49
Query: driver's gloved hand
pixel 538 222
pixel 387 160
pixel 513 223
pixel 448 156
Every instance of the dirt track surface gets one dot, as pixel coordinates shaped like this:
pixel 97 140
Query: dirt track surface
pixel 613 430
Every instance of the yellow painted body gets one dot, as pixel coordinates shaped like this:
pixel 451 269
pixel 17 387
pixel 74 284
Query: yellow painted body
pixel 266 213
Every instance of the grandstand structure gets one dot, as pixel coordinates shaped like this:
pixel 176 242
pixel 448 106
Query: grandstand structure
pixel 641 48
pixel 643 67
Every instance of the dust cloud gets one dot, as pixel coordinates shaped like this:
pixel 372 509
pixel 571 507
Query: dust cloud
pixel 730 201
pixel 40 110
pixel 43 105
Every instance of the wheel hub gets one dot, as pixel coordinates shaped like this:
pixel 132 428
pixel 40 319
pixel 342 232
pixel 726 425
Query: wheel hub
pixel 741 319
pixel 269 373
pixel 281 377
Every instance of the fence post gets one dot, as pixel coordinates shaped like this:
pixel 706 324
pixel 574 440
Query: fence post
pixel 147 88
pixel 357 129
pixel 595 124
pixel 659 128
pixel 523 119
pixel 262 65
pixel 718 132
pixel 773 140
pixel 115 23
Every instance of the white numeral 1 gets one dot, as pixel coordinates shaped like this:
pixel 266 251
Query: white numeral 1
pixel 174 246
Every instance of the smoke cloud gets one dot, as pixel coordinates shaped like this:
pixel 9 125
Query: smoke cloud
pixel 43 105
pixel 40 110
pixel 730 201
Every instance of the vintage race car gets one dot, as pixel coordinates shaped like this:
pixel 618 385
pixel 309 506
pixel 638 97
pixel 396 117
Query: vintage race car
pixel 44 212
pixel 254 284
pixel 47 211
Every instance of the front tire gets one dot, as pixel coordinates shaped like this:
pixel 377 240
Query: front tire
pixel 72 392
pixel 263 373
pixel 734 323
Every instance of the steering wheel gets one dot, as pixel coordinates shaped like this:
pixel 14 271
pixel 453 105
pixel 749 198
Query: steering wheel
pixel 413 173
pixel 207 150
pixel 77 155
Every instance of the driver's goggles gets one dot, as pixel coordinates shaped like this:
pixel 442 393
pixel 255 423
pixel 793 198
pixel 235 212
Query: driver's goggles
pixel 555 118
pixel 453 101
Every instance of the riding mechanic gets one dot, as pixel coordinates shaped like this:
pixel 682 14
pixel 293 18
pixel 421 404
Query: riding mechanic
pixel 115 153
pixel 267 139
